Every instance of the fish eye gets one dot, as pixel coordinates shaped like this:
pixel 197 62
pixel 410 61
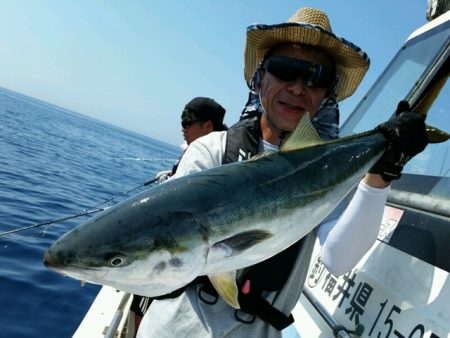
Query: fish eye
pixel 117 261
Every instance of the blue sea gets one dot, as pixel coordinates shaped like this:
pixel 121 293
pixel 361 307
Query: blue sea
pixel 56 163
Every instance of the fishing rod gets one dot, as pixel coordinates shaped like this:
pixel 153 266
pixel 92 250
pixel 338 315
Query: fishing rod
pixel 89 211
pixel 122 194
pixel 28 227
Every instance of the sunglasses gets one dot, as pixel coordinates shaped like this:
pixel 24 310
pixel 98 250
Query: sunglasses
pixel 289 69
pixel 187 123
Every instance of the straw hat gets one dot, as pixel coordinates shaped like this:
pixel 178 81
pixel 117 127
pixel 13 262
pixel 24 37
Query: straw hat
pixel 309 26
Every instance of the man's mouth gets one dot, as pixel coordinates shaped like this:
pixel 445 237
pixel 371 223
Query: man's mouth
pixel 291 107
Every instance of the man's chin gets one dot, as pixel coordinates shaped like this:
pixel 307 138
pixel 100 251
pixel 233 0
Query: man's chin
pixel 289 123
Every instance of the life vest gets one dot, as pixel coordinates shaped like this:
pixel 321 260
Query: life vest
pixel 243 139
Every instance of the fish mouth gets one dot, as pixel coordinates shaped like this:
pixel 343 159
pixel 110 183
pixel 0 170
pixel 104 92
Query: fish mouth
pixel 68 270
pixel 55 264
pixel 49 262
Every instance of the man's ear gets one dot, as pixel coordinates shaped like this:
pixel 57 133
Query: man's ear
pixel 209 126
pixel 256 84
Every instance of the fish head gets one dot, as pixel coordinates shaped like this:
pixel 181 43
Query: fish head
pixel 132 250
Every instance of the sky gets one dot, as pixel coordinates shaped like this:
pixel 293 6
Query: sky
pixel 135 64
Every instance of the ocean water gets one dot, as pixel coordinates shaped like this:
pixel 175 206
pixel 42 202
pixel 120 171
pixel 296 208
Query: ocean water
pixel 56 163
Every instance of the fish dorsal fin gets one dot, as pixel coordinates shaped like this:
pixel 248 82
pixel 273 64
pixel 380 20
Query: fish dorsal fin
pixel 260 155
pixel 225 285
pixel 304 135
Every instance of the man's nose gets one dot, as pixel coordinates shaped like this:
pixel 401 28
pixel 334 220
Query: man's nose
pixel 297 86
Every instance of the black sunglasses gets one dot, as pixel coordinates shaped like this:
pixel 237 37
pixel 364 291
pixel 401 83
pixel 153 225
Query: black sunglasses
pixel 289 69
pixel 187 123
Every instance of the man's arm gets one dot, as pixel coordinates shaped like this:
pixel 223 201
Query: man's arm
pixel 345 242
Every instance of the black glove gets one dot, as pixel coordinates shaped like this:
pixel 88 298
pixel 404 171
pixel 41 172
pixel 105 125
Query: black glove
pixel 406 136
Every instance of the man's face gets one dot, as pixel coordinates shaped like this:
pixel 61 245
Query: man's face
pixel 195 130
pixel 287 101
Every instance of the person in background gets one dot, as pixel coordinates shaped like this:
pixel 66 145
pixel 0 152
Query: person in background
pixel 200 116
pixel 294 68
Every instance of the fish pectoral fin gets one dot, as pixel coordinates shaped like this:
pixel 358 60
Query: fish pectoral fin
pixel 225 285
pixel 435 135
pixel 303 136
pixel 241 241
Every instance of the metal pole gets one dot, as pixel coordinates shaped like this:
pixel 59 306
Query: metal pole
pixel 117 317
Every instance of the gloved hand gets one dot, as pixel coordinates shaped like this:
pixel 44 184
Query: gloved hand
pixel 406 135
pixel 163 176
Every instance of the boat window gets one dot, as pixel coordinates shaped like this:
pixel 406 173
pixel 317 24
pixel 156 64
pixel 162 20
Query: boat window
pixel 422 195
pixel 397 81
pixel 435 159
pixel 414 61
pixel 423 192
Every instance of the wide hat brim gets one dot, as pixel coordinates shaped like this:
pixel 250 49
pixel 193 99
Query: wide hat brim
pixel 351 62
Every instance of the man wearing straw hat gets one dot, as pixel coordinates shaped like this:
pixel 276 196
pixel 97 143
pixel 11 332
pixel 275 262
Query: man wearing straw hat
pixel 292 68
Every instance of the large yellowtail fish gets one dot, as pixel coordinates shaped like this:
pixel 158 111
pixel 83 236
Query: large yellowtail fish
pixel 219 220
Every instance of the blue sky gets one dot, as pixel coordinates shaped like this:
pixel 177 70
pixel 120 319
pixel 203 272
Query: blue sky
pixel 136 63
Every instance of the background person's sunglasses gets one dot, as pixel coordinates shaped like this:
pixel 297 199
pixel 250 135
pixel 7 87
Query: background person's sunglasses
pixel 187 123
pixel 290 69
